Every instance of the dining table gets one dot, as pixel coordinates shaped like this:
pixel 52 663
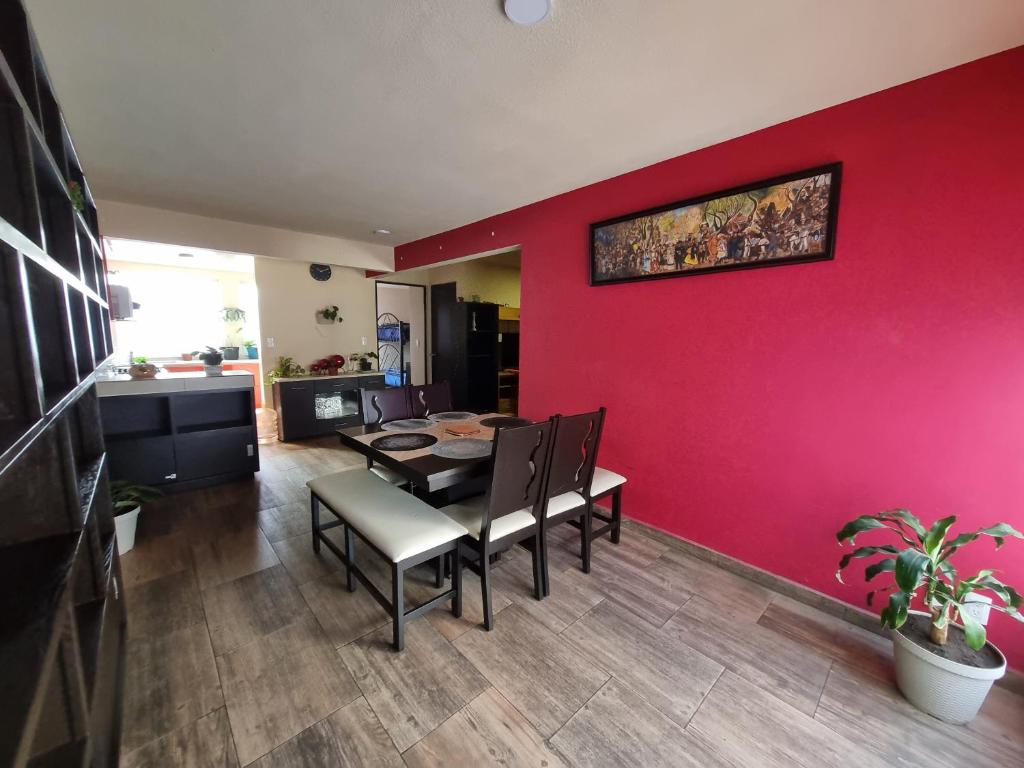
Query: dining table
pixel 422 466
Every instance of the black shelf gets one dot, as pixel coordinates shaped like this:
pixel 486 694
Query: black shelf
pixel 62 614
pixel 34 578
pixel 212 426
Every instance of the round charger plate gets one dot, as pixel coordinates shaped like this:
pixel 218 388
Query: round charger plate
pixel 462 448
pixel 402 425
pixel 452 416
pixel 505 421
pixel 404 442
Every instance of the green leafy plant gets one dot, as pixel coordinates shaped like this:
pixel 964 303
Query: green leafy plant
pixel 233 315
pixel 140 359
pixel 126 496
pixel 921 562
pixel 330 313
pixel 248 344
pixel 286 368
pixel 77 195
pixel 212 356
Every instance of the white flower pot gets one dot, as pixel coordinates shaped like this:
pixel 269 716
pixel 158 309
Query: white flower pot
pixel 948 690
pixel 124 529
pixel 214 370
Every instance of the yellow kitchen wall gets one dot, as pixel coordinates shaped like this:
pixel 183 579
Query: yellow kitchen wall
pixel 491 282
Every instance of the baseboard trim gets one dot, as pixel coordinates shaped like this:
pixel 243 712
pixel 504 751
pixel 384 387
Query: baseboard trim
pixel 1013 681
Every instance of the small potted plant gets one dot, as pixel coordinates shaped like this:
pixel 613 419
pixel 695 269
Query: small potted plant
pixel 943 668
pixel 77 195
pixel 212 359
pixel 187 356
pixel 286 368
pixel 251 350
pixel 364 361
pixel 328 315
pixel 128 500
pixel 141 368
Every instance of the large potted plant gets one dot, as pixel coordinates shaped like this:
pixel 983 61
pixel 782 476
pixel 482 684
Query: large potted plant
pixel 128 500
pixel 943 668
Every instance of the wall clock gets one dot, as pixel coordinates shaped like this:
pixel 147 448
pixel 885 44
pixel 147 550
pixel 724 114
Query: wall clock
pixel 320 272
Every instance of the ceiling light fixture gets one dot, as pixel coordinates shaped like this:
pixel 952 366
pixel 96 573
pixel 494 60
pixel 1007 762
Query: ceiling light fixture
pixel 382 231
pixel 527 12
pixel 186 256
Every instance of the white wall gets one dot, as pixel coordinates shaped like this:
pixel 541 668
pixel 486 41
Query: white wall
pixel 289 299
pixel 157 225
pixel 408 304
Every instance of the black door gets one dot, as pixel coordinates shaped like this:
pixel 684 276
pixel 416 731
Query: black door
pixel 442 337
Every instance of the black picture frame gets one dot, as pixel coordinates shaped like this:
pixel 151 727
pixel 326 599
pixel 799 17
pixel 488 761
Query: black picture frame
pixel 828 239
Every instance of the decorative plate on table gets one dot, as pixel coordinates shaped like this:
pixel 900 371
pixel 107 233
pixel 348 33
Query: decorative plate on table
pixel 452 416
pixel 404 442
pixel 505 421
pixel 462 448
pixel 402 425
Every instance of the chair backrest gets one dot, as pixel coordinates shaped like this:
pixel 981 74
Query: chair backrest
pixel 574 452
pixel 380 405
pixel 425 399
pixel 520 464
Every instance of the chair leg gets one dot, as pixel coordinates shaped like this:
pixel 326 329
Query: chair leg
pixel 485 589
pixel 617 515
pixel 585 537
pixel 350 554
pixel 545 575
pixel 538 570
pixel 439 571
pixel 457 581
pixel 398 606
pixel 314 515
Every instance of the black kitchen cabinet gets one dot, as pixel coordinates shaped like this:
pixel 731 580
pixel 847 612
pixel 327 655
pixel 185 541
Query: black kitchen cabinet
pixel 181 439
pixel 319 405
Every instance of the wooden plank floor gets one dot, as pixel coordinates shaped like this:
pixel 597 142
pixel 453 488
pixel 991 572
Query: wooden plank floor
pixel 246 649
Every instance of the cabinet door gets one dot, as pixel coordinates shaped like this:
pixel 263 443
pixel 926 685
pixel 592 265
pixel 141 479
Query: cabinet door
pixel 295 410
pixel 371 382
pixel 145 461
pixel 216 452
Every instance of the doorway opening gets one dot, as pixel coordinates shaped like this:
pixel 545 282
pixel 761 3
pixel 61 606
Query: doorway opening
pixel 402 333
pixel 178 301
pixel 474 328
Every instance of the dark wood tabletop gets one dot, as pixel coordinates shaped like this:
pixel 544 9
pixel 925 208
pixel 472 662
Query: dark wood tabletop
pixel 429 472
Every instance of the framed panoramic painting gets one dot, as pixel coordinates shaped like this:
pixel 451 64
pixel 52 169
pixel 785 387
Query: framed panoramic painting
pixel 784 220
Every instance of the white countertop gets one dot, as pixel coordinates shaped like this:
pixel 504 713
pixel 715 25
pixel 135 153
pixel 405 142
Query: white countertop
pixel 348 375
pixel 189 381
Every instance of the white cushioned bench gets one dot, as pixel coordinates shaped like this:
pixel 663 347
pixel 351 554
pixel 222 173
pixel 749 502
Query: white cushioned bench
pixel 397 526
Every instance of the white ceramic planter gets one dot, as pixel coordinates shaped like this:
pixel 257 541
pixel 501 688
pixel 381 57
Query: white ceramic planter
pixel 124 528
pixel 946 689
pixel 214 370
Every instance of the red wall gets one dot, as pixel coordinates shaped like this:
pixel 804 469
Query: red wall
pixel 755 411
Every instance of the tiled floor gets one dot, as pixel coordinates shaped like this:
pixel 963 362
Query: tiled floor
pixel 245 648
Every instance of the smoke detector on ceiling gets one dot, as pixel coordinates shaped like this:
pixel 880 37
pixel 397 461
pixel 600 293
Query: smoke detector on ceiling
pixel 527 12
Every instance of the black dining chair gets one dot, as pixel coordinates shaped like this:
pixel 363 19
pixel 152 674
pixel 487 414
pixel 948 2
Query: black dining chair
pixel 567 499
pixel 425 399
pixel 510 511
pixel 379 406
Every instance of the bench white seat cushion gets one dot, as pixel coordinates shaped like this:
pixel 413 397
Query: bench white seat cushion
pixel 397 523
pixel 388 475
pixel 470 514
pixel 564 502
pixel 604 480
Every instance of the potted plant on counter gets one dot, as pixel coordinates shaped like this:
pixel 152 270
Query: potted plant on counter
pixel 212 359
pixel 251 350
pixel 128 500
pixel 364 361
pixel 943 668
pixel 286 368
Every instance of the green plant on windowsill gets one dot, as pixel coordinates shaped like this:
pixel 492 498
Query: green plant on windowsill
pixel 286 368
pixel 947 675
pixel 139 359
pixel 233 315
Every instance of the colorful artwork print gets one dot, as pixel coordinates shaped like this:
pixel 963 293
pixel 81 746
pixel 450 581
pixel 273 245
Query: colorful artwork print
pixel 784 220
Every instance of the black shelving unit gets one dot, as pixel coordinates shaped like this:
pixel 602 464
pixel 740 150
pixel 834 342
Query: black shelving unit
pixel 63 628
pixel 392 339
pixel 469 349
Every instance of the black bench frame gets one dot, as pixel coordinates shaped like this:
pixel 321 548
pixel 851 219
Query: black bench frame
pixel 396 605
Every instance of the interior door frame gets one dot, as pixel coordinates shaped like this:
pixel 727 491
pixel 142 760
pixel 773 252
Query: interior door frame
pixel 426 326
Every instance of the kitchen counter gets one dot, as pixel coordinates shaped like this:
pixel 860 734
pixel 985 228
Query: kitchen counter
pixel 346 375
pixel 191 381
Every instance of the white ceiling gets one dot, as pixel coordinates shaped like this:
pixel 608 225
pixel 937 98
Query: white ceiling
pixel 342 116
